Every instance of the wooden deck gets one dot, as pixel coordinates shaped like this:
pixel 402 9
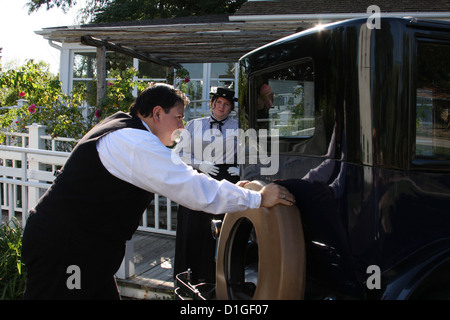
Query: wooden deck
pixel 153 262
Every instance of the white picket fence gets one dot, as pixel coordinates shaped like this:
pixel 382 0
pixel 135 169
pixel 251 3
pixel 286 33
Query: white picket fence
pixel 27 169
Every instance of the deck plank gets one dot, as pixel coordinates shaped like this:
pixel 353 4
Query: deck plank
pixel 153 257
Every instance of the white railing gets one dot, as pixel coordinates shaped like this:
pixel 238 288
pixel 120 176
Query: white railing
pixel 27 170
pixel 196 109
pixel 24 177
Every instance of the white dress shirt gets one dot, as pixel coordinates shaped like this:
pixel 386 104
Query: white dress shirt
pixel 138 157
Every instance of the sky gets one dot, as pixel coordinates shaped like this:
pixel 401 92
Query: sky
pixel 17 37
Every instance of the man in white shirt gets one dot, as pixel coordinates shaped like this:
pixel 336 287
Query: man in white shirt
pixel 97 199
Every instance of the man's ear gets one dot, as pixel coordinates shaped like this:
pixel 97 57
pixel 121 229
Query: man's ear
pixel 157 113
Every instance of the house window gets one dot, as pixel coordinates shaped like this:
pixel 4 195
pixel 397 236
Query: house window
pixel 202 77
pixel 223 74
pixel 194 88
pixel 433 101
pixel 85 67
pixel 151 71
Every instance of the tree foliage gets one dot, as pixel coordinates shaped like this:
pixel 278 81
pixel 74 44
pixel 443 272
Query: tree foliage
pixel 134 10
pixel 34 5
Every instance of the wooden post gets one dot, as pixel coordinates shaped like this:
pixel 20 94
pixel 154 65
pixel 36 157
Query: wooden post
pixel 101 73
pixel 34 142
pixel 126 269
pixel 171 75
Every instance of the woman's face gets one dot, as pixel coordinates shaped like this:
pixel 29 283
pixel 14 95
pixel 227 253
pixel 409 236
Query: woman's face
pixel 221 108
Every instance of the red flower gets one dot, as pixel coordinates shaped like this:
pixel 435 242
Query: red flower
pixel 21 94
pixel 32 108
pixel 97 113
pixel 187 79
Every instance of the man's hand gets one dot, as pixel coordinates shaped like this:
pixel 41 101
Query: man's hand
pixel 273 194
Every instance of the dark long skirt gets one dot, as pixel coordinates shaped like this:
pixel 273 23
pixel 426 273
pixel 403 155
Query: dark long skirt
pixel 195 246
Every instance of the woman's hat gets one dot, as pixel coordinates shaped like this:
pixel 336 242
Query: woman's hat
pixel 223 92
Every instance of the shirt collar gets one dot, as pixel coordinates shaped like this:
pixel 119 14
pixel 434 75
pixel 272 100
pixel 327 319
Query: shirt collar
pixel 145 125
pixel 214 120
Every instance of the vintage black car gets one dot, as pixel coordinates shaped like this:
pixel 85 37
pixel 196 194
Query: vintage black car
pixel 360 116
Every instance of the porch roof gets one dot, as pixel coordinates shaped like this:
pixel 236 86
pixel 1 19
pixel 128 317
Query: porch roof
pixel 179 40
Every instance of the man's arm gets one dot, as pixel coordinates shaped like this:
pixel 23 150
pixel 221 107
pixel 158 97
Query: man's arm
pixel 138 157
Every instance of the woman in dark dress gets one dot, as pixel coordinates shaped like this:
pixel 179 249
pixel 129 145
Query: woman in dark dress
pixel 195 246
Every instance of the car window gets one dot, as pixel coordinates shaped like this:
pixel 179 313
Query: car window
pixel 284 99
pixel 433 101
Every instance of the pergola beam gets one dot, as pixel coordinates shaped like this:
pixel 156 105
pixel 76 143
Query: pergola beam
pixel 88 40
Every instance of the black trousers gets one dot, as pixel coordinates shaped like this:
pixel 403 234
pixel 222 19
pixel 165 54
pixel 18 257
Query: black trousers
pixel 62 264
pixel 195 247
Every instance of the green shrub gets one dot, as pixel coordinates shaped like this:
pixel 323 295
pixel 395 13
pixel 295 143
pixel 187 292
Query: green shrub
pixel 12 273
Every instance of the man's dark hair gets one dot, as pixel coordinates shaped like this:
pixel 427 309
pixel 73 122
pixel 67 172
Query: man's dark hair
pixel 158 94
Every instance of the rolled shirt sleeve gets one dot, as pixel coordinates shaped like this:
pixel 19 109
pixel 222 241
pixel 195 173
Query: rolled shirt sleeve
pixel 138 157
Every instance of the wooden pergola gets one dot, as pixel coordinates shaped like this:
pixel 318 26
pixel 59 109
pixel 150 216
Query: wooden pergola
pixel 170 42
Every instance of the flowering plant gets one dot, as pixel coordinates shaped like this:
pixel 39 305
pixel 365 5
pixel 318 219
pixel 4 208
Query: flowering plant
pixel 42 101
pixel 32 108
